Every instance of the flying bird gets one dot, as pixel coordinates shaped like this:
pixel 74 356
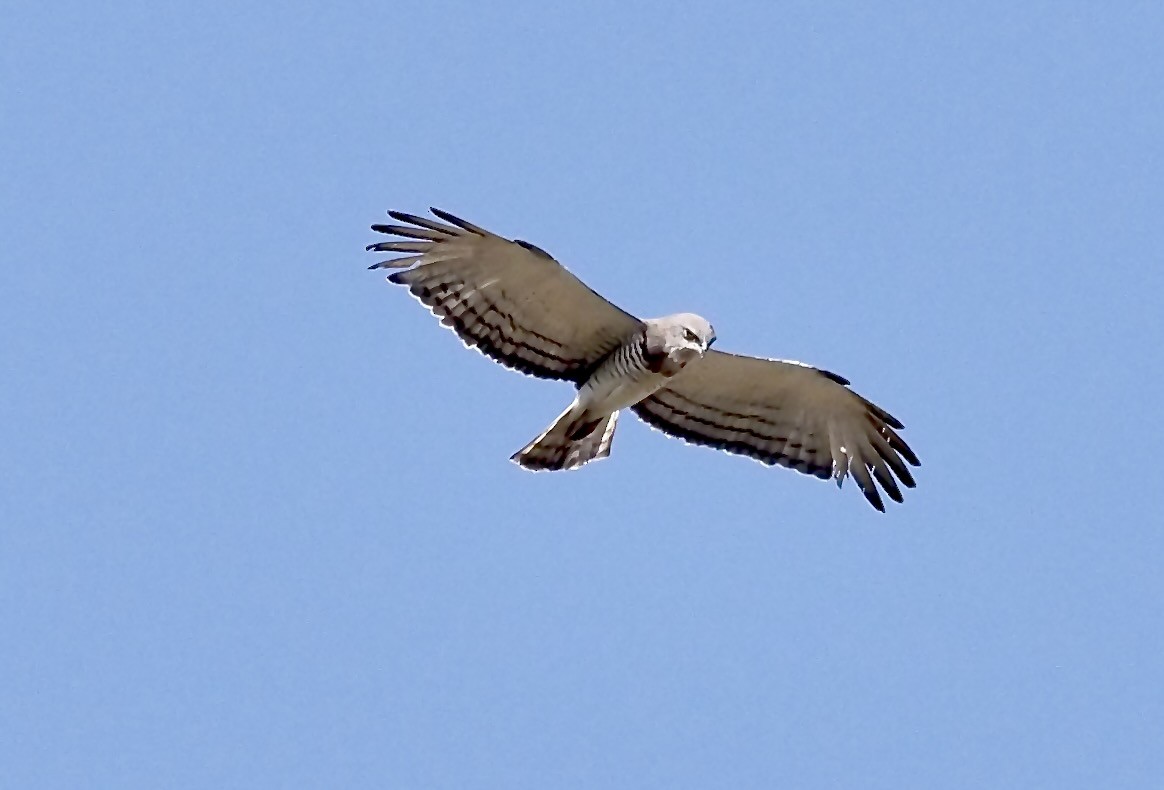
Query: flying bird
pixel 515 303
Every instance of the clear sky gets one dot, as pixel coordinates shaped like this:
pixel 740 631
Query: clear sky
pixel 257 523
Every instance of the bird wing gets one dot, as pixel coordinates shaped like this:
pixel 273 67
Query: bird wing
pixel 509 299
pixel 786 413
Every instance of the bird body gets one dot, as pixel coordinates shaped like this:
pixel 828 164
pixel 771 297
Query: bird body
pixel 641 365
pixel 515 303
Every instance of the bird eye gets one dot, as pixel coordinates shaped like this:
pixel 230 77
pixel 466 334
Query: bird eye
pixel 690 336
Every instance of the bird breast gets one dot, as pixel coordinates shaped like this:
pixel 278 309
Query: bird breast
pixel 626 376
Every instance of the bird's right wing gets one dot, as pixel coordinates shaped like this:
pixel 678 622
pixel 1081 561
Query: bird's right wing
pixel 509 299
pixel 785 413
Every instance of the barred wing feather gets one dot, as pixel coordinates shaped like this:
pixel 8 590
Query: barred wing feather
pixel 509 299
pixel 785 413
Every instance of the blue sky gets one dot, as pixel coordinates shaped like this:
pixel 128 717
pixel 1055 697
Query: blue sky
pixel 257 523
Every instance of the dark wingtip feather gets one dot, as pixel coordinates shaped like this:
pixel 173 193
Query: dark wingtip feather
pixel 397 278
pixel 455 220
pixel 535 249
pixel 876 413
pixel 888 484
pixel 828 374
pixel 860 474
pixel 908 454
pixel 420 222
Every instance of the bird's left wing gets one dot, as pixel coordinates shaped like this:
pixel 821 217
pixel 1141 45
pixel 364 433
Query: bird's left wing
pixel 785 413
pixel 509 299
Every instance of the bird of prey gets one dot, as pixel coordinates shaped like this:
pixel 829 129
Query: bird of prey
pixel 514 302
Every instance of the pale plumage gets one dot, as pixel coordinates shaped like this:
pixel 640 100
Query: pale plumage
pixel 513 302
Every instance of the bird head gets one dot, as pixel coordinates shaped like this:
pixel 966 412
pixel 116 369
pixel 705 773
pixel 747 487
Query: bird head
pixel 682 337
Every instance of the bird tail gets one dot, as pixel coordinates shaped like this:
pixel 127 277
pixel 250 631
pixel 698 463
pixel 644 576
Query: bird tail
pixel 575 438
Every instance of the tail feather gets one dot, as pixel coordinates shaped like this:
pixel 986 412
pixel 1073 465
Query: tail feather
pixel 571 441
